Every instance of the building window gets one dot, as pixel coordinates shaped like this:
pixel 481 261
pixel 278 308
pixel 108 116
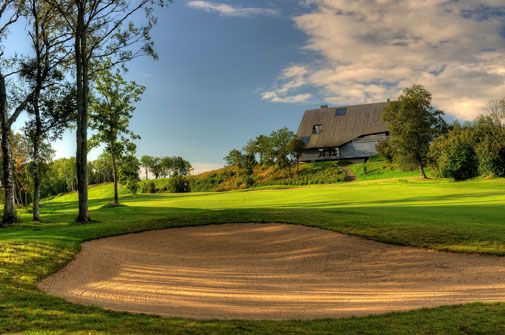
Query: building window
pixel 340 111
pixel 329 153
pixel 317 129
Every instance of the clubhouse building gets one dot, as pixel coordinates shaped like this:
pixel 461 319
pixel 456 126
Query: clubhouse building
pixel 342 133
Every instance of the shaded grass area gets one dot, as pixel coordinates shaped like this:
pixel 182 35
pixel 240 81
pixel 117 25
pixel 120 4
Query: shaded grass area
pixel 437 214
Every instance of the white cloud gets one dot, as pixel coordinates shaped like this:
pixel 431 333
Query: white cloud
pixel 230 10
pixel 295 98
pixel 372 49
pixel 292 78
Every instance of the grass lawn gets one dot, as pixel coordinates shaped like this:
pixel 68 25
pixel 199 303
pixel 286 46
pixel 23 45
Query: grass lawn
pixel 438 214
pixel 380 169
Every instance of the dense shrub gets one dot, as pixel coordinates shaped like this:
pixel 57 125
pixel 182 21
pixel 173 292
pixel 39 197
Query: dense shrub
pixel 326 175
pixel 132 187
pixel 385 150
pixel 492 158
pixel 177 184
pixel 246 181
pixel 460 162
pixel 210 181
pixel 453 156
pixel 488 134
pixel 498 164
pixel 149 187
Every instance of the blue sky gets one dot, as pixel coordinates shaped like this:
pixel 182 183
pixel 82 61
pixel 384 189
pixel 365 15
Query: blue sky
pixel 230 70
pixel 203 94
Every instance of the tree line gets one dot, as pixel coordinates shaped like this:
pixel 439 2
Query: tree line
pixel 420 137
pixel 59 176
pixel 89 41
pixel 282 148
pixel 166 166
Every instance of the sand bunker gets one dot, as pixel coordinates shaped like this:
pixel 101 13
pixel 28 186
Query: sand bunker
pixel 270 271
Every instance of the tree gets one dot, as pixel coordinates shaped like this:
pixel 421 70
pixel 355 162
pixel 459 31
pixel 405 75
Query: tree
pixel 112 109
pixel 101 169
pixel 157 167
pixel 101 29
pixel 413 124
pixel 295 149
pixel 55 181
pixel 385 149
pixel 9 14
pixel 264 150
pixel 251 148
pixel 129 168
pixel 247 168
pixel 243 165
pixel 180 166
pixel 167 165
pixel 20 165
pixel 234 159
pixel 51 103
pixel 280 140
pixel 64 169
pixel 146 162
pixel 496 111
pixel 489 142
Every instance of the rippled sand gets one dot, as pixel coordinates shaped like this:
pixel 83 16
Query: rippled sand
pixel 269 271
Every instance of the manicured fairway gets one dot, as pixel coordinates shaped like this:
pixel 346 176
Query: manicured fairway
pixel 443 215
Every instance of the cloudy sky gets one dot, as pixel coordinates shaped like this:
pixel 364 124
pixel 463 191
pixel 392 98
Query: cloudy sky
pixel 230 70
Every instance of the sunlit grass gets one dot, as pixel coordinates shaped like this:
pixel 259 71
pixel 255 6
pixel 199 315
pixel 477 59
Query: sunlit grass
pixel 380 169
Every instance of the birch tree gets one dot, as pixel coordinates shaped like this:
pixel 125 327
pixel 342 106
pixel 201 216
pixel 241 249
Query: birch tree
pixel 112 110
pixel 51 104
pixel 9 14
pixel 102 29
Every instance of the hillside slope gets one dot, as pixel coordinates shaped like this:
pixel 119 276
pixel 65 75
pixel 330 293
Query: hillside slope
pixel 227 179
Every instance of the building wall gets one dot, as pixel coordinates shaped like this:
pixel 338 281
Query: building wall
pixel 363 147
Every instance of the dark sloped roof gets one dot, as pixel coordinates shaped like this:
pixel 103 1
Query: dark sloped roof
pixel 337 130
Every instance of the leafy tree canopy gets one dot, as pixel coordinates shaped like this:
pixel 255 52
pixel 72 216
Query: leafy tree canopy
pixel 413 124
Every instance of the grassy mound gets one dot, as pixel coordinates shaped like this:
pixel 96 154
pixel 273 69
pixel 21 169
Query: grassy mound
pixel 226 179
pixel 332 172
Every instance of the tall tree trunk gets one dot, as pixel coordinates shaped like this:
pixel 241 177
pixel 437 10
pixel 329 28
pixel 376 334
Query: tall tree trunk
pixel 37 136
pixel 114 177
pixel 18 197
pixel 10 215
pixel 36 195
pixel 82 117
pixel 36 160
pixel 423 173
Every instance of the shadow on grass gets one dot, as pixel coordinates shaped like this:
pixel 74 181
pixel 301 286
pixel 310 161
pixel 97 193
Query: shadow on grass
pixel 469 228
